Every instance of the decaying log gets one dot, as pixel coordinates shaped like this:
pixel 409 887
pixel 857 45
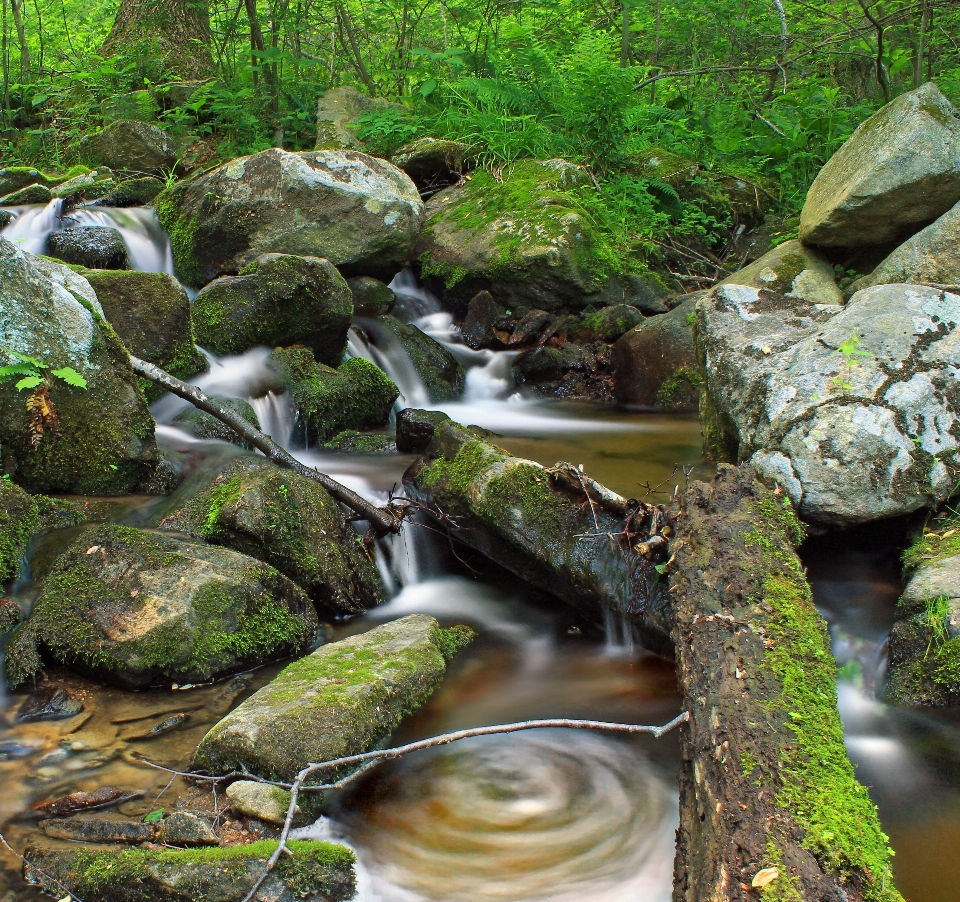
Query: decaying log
pixel 381 519
pixel 767 793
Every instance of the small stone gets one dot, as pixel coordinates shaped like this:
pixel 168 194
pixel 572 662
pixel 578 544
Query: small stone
pixel 260 800
pixel 49 703
pixel 185 829
pixel 371 297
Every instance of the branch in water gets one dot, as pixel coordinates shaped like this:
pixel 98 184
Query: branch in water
pixel 381 519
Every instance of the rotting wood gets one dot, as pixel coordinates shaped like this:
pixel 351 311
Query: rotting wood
pixel 382 519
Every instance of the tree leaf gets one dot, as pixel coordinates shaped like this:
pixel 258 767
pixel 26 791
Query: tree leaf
pixel 29 382
pixel 69 375
pixel 154 817
pixel 17 369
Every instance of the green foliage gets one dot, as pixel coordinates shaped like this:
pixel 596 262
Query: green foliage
pixel 850 351
pixel 35 373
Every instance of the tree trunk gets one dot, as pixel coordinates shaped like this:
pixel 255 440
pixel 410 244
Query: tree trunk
pixel 175 34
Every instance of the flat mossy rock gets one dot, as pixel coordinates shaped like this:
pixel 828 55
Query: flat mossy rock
pixel 206 426
pixel 895 174
pixel 358 395
pixel 360 213
pixel 609 323
pixel 32 194
pixel 850 443
pixel 290 522
pixel 277 300
pixel 930 256
pixel 352 442
pixel 98 247
pixel 89 185
pixel 139 609
pixel 794 270
pixel 106 442
pixel 132 146
pixel 133 192
pixel 338 115
pixel 19 520
pixel 441 374
pixel 371 297
pixel 152 315
pixel 510 510
pixel 13 178
pixel 654 364
pixel 341 700
pixel 316 871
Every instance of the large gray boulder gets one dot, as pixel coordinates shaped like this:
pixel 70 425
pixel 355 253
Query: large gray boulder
pixel 930 256
pixel 132 146
pixel 99 247
pixel 849 441
pixel 277 300
pixel 794 270
pixel 360 213
pixel 338 114
pixel 101 442
pixel 340 700
pixel 896 173
pixel 139 608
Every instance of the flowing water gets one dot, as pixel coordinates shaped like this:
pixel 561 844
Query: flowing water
pixel 554 815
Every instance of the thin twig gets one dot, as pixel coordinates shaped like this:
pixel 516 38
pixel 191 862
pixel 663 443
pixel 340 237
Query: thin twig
pixel 40 871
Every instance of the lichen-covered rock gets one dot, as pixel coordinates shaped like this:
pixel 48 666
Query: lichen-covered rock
pixel 930 256
pixel 290 522
pixel 69 278
pixel 851 409
pixel 127 144
pixel 793 270
pixel 136 192
pixel 896 173
pixel 152 315
pixel 371 297
pixel 609 323
pixel 428 158
pixel 360 213
pixel 338 114
pixel 106 443
pixel 277 300
pixel 205 425
pixel 513 512
pixel 441 374
pixel 98 247
pixel 260 800
pixel 32 194
pixel 358 395
pixel 654 364
pixel 315 871
pixel 340 700
pixel 139 608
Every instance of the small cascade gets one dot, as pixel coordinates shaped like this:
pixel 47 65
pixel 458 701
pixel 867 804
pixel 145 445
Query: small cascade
pixel 393 359
pixel 32 225
pixel 413 300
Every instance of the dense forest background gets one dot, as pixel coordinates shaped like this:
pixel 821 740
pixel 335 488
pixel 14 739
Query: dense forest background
pixel 758 90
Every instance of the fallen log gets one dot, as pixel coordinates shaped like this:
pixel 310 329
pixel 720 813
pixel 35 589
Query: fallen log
pixel 382 519
pixel 768 797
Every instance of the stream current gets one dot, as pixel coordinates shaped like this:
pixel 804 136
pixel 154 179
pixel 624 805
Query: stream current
pixel 558 815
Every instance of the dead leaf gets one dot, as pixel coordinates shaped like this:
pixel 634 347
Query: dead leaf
pixel 92 550
pixel 764 877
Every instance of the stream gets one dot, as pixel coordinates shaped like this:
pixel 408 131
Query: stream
pixel 559 815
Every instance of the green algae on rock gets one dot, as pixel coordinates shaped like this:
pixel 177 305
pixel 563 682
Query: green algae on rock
pixel 139 608
pixel 340 700
pixel 254 507
pixel 358 395
pixel 315 871
pixel 19 520
pixel 277 300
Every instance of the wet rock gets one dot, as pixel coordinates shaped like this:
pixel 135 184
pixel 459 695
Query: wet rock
pixel 266 803
pixel 49 703
pixel 103 797
pixel 89 185
pixel 609 323
pixel 206 426
pixel 566 371
pixel 97 248
pixel 896 173
pixel 370 296
pixel 10 750
pixel 930 256
pixel 416 428
pixel 99 830
pixel 133 193
pixel 340 108
pixel 67 277
pixel 13 178
pixel 6 217
pixel 530 328
pixel 93 454
pixel 526 518
pixel 358 395
pixel 139 608
pixel 32 194
pixel 315 871
pixel 277 300
pixel 794 270
pixel 10 614
pixel 352 442
pixel 19 521
pixel 132 146
pixel 360 213
pixel 429 159
pixel 850 442
pixel 483 313
pixel 291 523
pixel 152 315
pixel 340 700
pixel 441 373
pixel 654 364
pixel 161 729
pixel 181 828
pixel 166 477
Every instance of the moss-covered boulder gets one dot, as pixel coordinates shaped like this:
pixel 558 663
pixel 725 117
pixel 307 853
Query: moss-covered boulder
pixel 13 178
pixel 277 300
pixel 340 700
pixel 99 247
pixel 315 871
pixel 136 192
pixel 371 297
pixel 132 146
pixel 290 522
pixel 429 159
pixel 19 520
pixel 357 395
pixel 152 315
pixel 88 185
pixel 206 426
pixel 138 608
pixel 32 194
pixel 895 174
pixel 104 443
pixel 608 323
pixel 360 213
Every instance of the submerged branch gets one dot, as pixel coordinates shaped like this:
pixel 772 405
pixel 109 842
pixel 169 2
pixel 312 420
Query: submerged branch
pixel 381 519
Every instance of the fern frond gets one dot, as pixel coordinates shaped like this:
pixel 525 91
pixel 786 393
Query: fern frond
pixel 69 375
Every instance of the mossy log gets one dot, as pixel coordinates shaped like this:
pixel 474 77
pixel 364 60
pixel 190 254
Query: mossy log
pixel 766 788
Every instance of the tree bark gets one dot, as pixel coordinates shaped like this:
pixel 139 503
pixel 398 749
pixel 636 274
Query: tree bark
pixel 175 32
